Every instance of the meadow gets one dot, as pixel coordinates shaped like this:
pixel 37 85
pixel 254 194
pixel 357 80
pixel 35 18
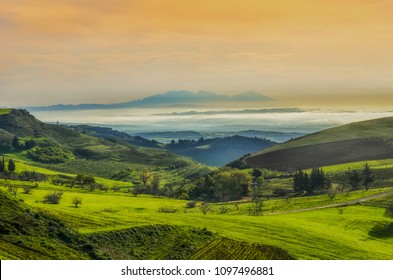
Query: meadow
pixel 359 231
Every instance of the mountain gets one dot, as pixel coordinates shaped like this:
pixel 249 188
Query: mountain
pixel 218 151
pixel 61 148
pixel 360 141
pixel 169 99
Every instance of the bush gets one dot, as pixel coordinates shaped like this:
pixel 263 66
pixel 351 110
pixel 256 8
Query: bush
pixel 279 192
pixel 26 189
pixel 53 197
pixel 223 209
pixel 76 201
pixel 167 209
pixel 190 204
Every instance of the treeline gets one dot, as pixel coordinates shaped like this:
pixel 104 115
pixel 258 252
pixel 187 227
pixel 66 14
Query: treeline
pixel 318 182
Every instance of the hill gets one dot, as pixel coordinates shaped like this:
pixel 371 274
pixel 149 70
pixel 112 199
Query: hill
pixel 218 151
pixel 109 133
pixel 214 151
pixel 64 149
pixel 366 140
pixel 167 99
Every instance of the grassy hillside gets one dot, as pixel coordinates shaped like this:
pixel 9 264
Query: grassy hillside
pixel 315 234
pixel 63 149
pixel 367 140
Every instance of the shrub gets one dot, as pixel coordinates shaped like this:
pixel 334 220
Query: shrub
pixel 223 209
pixel 26 189
pixel 190 204
pixel 167 209
pixel 53 197
pixel 205 208
pixel 281 192
pixel 76 201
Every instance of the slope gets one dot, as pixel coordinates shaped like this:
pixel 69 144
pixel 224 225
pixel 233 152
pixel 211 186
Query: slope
pixel 61 148
pixel 218 151
pixel 367 140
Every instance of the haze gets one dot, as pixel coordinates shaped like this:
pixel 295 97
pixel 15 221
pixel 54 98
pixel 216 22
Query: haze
pixel 305 52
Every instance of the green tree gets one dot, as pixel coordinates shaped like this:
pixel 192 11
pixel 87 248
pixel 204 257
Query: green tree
pixel 231 184
pixel 145 176
pixel 256 173
pixel 354 179
pixel 367 176
pixel 15 142
pixel 11 165
pixel 155 184
pixel 299 182
pixel 317 180
pixel 88 180
pixel 2 166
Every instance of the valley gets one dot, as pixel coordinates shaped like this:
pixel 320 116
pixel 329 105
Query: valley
pixel 144 202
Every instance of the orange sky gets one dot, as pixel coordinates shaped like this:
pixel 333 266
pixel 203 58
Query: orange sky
pixel 78 51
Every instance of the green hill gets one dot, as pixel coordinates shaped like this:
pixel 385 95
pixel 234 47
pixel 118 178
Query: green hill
pixel 25 234
pixel 61 148
pixel 218 151
pixel 367 140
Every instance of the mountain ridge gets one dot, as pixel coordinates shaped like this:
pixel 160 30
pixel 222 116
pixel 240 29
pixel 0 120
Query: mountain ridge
pixel 169 98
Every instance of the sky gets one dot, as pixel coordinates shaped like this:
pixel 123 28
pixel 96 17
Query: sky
pixel 303 52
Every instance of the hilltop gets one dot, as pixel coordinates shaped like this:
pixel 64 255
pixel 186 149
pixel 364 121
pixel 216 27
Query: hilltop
pixel 360 141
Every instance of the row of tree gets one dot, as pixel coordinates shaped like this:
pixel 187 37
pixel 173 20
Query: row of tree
pixel 318 181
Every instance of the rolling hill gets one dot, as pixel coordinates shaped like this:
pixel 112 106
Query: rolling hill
pixel 64 149
pixel 366 140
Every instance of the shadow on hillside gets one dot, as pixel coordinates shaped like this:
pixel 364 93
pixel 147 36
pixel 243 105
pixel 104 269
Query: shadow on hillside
pixel 383 230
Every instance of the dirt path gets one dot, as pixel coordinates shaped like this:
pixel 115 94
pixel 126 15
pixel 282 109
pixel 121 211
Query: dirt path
pixel 340 204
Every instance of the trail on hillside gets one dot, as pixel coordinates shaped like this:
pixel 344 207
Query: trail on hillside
pixel 340 204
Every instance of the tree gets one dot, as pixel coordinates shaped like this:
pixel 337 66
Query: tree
pixel 2 166
pixel 367 176
pixel 298 182
pixel 145 176
pixel 354 179
pixel 231 184
pixel 317 180
pixel 205 208
pixel 88 180
pixel 76 201
pixel 11 165
pixel 256 173
pixel 155 184
pixel 15 142
pixel 53 197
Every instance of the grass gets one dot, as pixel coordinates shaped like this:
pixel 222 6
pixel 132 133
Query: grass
pixel 5 111
pixel 318 234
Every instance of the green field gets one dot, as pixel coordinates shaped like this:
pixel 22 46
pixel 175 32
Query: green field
pixel 316 234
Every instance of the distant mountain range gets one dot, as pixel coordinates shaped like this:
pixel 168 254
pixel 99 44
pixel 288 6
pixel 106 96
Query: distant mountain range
pixel 168 99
